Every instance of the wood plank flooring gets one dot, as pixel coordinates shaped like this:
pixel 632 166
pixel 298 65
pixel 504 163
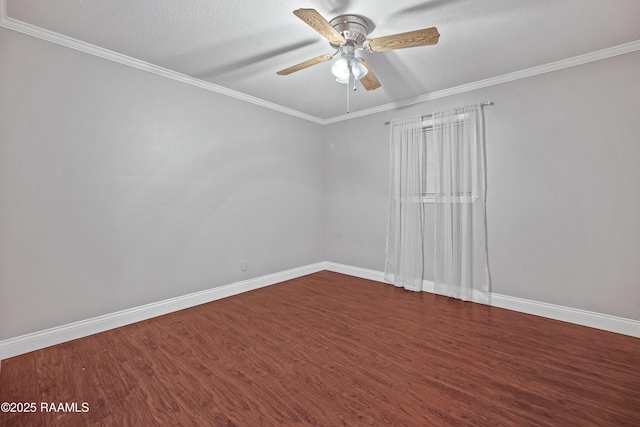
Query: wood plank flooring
pixel 333 350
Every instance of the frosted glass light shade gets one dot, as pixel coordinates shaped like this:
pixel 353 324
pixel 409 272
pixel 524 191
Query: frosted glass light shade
pixel 344 67
pixel 341 70
pixel 358 70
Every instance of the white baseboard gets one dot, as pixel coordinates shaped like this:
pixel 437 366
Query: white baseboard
pixel 605 322
pixel 591 319
pixel 363 273
pixel 25 343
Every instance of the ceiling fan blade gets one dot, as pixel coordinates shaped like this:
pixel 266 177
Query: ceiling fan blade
pixel 424 37
pixel 312 18
pixel 369 81
pixel 305 64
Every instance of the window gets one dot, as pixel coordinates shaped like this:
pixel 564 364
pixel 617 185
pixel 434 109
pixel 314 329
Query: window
pixel 464 185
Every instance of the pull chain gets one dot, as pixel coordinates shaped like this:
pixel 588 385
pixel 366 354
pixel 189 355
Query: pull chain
pixel 349 87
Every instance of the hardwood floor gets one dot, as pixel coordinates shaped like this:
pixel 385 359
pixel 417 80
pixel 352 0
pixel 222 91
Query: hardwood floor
pixel 328 349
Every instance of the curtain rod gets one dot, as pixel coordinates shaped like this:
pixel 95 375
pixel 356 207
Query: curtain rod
pixel 483 104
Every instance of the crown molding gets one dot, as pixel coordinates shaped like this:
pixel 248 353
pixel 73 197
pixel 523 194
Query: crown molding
pixel 493 81
pixel 72 43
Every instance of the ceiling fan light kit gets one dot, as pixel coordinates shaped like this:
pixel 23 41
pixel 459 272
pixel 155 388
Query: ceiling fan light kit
pixel 347 34
pixel 348 65
pixel 343 68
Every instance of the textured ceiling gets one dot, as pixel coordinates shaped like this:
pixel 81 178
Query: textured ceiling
pixel 240 45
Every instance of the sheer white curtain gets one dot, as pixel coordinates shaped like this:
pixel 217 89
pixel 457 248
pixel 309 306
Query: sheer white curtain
pixel 405 244
pixel 461 267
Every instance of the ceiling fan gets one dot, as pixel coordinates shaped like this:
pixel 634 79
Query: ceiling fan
pixel 348 33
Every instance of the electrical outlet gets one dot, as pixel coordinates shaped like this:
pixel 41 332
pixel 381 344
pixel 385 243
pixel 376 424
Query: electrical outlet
pixel 244 265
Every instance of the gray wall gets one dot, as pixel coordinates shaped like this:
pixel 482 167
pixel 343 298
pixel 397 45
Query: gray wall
pixel 120 188
pixel 563 186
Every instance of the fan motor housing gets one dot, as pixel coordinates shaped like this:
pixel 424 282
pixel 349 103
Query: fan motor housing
pixel 352 27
